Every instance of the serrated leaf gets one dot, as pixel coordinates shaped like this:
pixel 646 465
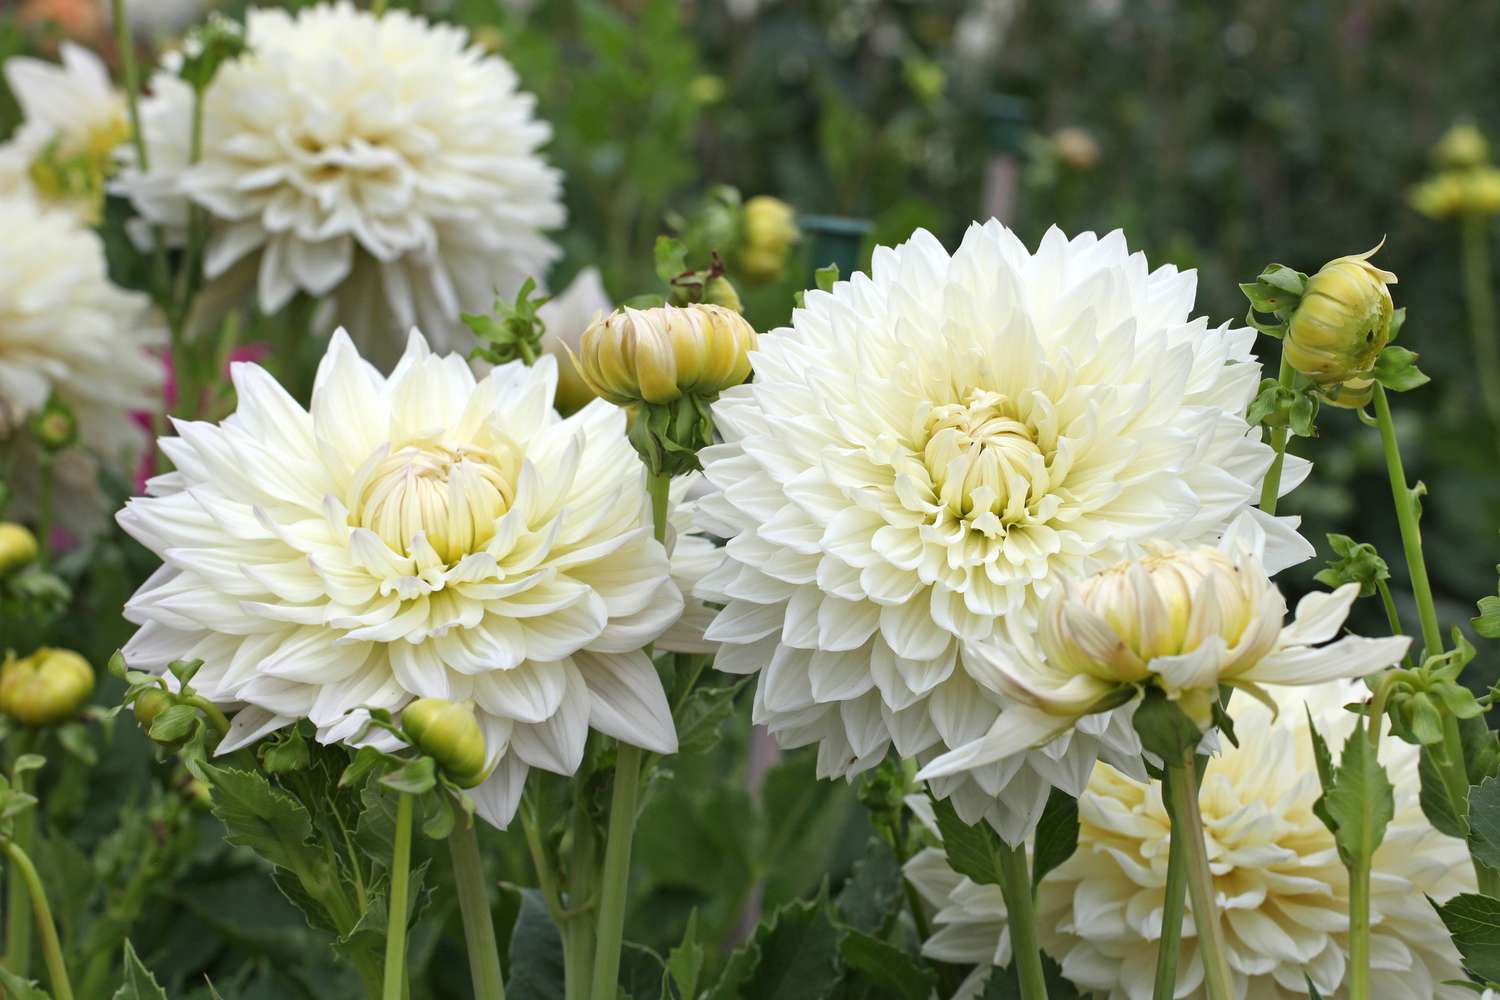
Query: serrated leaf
pixel 703 716
pixel 671 258
pixel 685 963
pixel 1361 800
pixel 970 849
pixel 17 988
pixel 872 892
pixel 1056 834
pixel 1474 922
pixel 1484 822
pixel 897 975
pixel 793 955
pixel 265 819
pixel 139 983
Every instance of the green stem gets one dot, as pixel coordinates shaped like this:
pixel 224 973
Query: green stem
pixel 1359 930
pixel 1187 827
pixel 474 904
pixel 395 931
pixel 1020 911
pixel 1481 299
pixel 616 883
pixel 577 921
pixel 1270 489
pixel 1406 519
pixel 1392 616
pixel 23 829
pixel 131 79
pixel 186 278
pixel 44 510
pixel 57 970
pixel 1174 905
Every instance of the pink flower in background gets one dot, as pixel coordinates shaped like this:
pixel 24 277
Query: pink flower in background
pixel 147 467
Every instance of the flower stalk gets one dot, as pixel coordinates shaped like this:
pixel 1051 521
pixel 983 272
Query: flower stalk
pixel 1187 827
pixel 17 926
pixel 1406 519
pixel 1174 905
pixel 1020 906
pixel 1270 490
pixel 57 969
pixel 474 906
pixel 394 979
pixel 1474 227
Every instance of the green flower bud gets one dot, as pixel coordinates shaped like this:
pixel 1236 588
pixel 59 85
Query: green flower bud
pixel 18 547
pixel 149 704
pixel 1463 145
pixel 1343 321
pixel 660 355
pixel 448 732
pixel 770 229
pixel 720 291
pixel 47 687
pixel 54 426
pixel 1351 394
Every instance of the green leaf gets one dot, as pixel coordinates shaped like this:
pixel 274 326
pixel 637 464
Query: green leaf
pixel 871 894
pixel 703 716
pixel 17 988
pixel 1474 922
pixel 1056 834
pixel 793 955
pixel 265 819
pixel 286 753
pixel 1003 984
pixel 1360 801
pixel 174 724
pixel 1397 370
pixel 536 955
pixel 826 277
pixel 685 963
pixel 1487 622
pixel 184 670
pixel 1164 727
pixel 671 258
pixel 139 983
pixel 414 777
pixel 1357 562
pixel 970 849
pixel 1484 822
pixel 897 975
pixel 1285 279
pixel 1436 805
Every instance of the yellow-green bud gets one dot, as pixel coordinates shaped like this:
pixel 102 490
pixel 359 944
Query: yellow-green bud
pixel 149 704
pixel 47 687
pixel 1350 395
pixel 1470 191
pixel 449 733
pixel 18 547
pixel 1075 147
pixel 1462 145
pixel 720 291
pixel 770 230
pixel 1343 321
pixel 660 355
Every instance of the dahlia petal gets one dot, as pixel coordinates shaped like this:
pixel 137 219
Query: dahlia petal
pixel 557 744
pixel 1351 656
pixel 497 797
pixel 248 726
pixel 1016 730
pixel 530 692
pixel 628 701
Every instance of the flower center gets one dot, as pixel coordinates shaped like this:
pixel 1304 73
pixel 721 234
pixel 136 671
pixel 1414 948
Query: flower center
pixel 983 460
pixel 452 496
pixel 1158 623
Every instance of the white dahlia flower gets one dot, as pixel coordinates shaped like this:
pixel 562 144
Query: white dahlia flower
pixel 383 161
pixel 1185 620
pixel 66 330
pixel 421 535
pixel 928 451
pixel 72 121
pixel 1282 891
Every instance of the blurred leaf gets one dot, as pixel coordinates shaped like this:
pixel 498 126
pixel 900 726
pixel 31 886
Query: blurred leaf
pixel 414 777
pixel 704 714
pixel 1474 922
pixel 536 955
pixel 685 963
pixel 872 892
pixel 17 988
pixel 793 955
pixel 1056 834
pixel 892 972
pixel 139 983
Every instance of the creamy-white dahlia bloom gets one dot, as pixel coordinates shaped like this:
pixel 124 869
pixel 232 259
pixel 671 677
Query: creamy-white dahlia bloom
pixel 71 115
pixel 383 161
pixel 1183 619
pixel 1282 890
pixel 926 453
pixel 67 330
pixel 422 535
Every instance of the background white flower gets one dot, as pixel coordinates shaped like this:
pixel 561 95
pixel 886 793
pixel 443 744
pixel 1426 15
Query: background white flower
pixel 383 161
pixel 69 111
pixel 65 328
pixel 923 455
pixel 421 535
pixel 1280 884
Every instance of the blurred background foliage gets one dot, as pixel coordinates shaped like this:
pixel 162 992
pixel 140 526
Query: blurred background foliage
pixel 1219 137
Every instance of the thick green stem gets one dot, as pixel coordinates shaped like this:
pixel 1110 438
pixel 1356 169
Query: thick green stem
pixel 1020 916
pixel 23 829
pixel 1406 519
pixel 1481 299
pixel 44 510
pixel 57 970
pixel 1359 930
pixel 1187 827
pixel 1270 488
pixel 474 905
pixel 395 921
pixel 1174 905
pixel 616 883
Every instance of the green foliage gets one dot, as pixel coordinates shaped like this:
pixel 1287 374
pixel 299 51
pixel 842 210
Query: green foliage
pixel 1474 922
pixel 971 850
pixel 1164 727
pixel 139 983
pixel 513 331
pixel 1355 562
pixel 1358 800
pixel 1056 834
pixel 1397 370
pixel 792 956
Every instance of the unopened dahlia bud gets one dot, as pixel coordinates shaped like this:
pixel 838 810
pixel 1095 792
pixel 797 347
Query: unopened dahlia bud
pixel 47 687
pixel 1343 321
pixel 18 547
pixel 54 426
pixel 449 733
pixel 770 230
pixel 1463 145
pixel 660 355
pixel 148 705
pixel 720 291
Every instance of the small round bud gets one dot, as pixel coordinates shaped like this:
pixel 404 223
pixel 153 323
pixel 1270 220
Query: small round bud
pixel 1463 145
pixel 149 704
pixel 18 546
pixel 448 732
pixel 770 229
pixel 1343 321
pixel 660 355
pixel 1075 147
pixel 54 426
pixel 720 291
pixel 47 687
